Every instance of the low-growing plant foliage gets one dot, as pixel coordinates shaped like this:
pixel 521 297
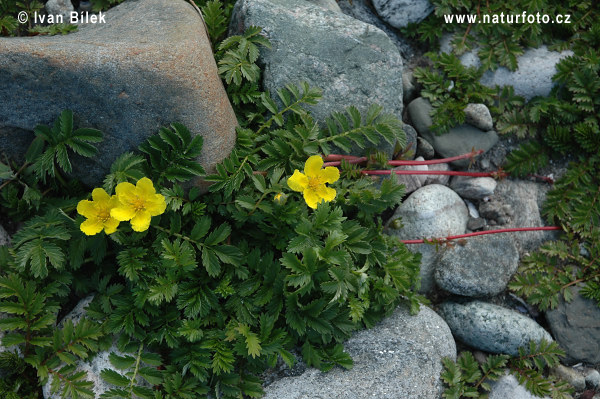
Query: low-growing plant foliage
pixel 195 294
pixel 467 378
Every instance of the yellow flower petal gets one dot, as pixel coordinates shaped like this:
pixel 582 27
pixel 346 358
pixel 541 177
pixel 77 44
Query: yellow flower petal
pixel 327 193
pixel 329 175
pixel 86 208
pixel 125 191
pixel 313 165
pixel 145 187
pixel 141 221
pixel 110 226
pixel 100 195
pixel 156 205
pixel 91 226
pixel 311 198
pixel 298 181
pixel 122 213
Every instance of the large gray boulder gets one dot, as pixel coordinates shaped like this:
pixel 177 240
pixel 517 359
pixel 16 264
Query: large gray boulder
pixel 576 326
pixel 149 65
pixel 399 358
pixel 491 328
pixel 353 62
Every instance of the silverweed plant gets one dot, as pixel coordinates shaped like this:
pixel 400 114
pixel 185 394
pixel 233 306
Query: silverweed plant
pixel 195 294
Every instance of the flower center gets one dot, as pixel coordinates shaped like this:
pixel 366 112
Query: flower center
pixel 138 204
pixel 104 215
pixel 314 183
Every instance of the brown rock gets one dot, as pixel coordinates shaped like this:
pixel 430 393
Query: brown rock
pixel 149 65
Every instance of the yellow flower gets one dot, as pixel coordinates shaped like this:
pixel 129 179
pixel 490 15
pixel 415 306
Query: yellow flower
pixel 98 213
pixel 311 183
pixel 138 203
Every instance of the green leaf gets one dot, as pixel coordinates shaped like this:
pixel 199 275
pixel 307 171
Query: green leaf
pixel 114 378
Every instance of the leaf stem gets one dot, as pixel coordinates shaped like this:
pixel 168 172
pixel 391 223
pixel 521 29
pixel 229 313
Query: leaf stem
pixel 480 233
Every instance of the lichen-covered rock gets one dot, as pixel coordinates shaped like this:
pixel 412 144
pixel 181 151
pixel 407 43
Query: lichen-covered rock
pixel 149 65
pixel 491 328
pixel 399 358
pixel 353 62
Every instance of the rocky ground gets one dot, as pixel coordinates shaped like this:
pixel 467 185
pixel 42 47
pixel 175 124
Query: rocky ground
pixel 354 52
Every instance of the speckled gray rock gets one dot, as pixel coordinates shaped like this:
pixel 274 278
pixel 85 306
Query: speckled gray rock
pixel 419 111
pixel 479 116
pixel 431 211
pixel 458 140
pixel 149 65
pixel 508 387
pixel 491 328
pixel 473 187
pixel 524 199
pixel 481 267
pixel 4 237
pixel 533 76
pixel 438 179
pixel 399 358
pixel 425 149
pixel 330 5
pixel 592 379
pixel 573 377
pixel 576 326
pixel 363 11
pixel 78 312
pixel 345 57
pixel 399 13
pixel 60 7
pixel 412 182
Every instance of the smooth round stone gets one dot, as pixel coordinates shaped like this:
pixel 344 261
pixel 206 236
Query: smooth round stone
pixel 481 267
pixel 491 328
pixel 433 211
